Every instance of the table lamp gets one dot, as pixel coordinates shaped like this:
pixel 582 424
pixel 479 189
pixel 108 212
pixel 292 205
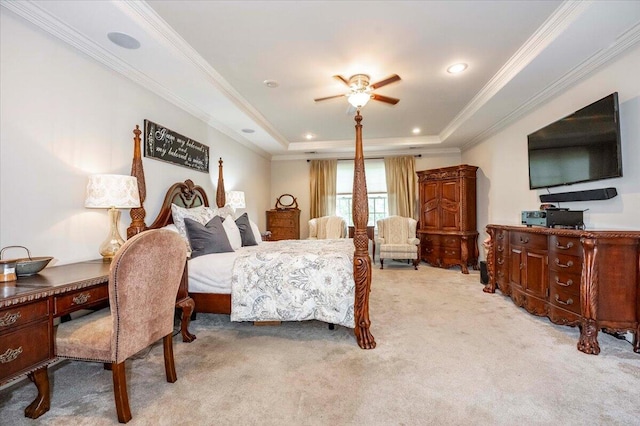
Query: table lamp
pixel 112 192
pixel 235 199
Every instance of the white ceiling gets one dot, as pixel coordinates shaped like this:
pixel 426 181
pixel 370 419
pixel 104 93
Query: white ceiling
pixel 211 58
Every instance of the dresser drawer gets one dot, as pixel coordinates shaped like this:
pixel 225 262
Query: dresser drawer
pixel 282 222
pixel 430 241
pixel 530 241
pixel 565 300
pixel 566 282
pixel 565 245
pixel 79 299
pixel 450 253
pixel 23 314
pixel 565 263
pixel 24 349
pixel 448 241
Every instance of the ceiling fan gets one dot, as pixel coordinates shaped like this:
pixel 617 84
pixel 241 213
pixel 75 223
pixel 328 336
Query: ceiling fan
pixel 361 91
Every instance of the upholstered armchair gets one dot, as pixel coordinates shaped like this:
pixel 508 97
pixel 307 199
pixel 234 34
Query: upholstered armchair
pixel 397 239
pixel 327 227
pixel 143 281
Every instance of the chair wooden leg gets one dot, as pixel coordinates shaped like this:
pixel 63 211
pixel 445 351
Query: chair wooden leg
pixel 416 262
pixel 120 392
pixel 381 263
pixel 169 364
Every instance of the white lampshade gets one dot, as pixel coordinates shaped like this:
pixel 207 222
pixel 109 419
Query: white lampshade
pixel 119 191
pixel 359 99
pixel 235 199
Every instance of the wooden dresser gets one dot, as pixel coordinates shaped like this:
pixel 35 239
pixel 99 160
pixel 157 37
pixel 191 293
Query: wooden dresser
pixel 447 227
pixel 573 277
pixel 284 224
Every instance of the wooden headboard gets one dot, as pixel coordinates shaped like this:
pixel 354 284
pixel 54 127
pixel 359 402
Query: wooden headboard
pixel 184 194
pixel 188 195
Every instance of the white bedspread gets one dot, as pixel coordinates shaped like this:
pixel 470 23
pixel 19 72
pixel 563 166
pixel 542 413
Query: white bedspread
pixel 294 280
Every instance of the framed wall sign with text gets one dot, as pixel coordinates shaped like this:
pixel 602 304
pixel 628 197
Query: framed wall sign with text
pixel 166 145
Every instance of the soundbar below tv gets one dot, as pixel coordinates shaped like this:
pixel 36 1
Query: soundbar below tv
pixel 582 147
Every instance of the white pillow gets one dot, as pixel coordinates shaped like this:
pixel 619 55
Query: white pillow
pixel 200 214
pixel 233 233
pixel 256 232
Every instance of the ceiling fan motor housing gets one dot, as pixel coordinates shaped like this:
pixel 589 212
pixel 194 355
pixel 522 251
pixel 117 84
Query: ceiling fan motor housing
pixel 359 81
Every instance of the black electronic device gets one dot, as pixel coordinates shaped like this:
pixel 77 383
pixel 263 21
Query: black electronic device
pixel 582 147
pixel 587 195
pixel 554 218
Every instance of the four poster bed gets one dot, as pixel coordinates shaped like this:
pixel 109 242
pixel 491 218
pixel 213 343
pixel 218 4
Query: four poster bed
pixel 323 273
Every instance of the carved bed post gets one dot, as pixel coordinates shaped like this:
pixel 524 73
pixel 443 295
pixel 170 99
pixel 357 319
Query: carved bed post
pixel 361 259
pixel 137 214
pixel 220 195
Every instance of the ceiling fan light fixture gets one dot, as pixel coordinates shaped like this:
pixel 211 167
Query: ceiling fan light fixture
pixel 359 99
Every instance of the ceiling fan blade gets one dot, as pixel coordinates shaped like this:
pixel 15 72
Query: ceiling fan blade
pixel 328 97
pixel 391 79
pixel 386 99
pixel 342 79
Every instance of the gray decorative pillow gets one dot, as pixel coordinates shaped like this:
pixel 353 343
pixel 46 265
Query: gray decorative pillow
pixel 207 239
pixel 246 233
pixel 200 214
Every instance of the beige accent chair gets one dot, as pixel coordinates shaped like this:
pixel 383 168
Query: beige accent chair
pixel 327 227
pixel 143 282
pixel 397 239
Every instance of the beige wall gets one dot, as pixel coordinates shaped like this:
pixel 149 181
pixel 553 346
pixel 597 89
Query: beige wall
pixel 292 177
pixel 63 117
pixel 503 182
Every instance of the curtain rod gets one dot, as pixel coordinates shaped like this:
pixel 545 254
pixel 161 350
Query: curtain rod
pixel 367 158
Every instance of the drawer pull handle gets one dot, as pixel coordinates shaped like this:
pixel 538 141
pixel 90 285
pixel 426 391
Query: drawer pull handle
pixel 524 240
pixel 562 265
pixel 567 247
pixel 9 319
pixel 500 248
pixel 10 355
pixel 567 303
pixel 501 236
pixel 500 274
pixel 500 261
pixel 81 298
pixel 569 283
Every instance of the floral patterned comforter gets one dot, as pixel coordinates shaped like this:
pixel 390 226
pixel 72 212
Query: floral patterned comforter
pixel 295 280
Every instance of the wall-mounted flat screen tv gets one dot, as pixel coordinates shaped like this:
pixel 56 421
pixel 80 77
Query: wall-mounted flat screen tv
pixel 582 147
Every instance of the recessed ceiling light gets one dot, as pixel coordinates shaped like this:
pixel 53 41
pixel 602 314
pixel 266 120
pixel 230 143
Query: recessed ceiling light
pixel 457 68
pixel 124 40
pixel 248 130
pixel 272 84
pixel 309 136
pixel 416 130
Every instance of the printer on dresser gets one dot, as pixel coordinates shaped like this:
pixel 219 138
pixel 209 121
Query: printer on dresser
pixel 573 277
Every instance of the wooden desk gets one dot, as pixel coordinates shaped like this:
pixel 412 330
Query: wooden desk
pixel 370 234
pixel 29 305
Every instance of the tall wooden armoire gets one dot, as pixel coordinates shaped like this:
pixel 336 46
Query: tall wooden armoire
pixel 447 229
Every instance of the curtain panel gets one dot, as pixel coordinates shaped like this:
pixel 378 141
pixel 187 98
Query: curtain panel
pixel 323 177
pixel 402 184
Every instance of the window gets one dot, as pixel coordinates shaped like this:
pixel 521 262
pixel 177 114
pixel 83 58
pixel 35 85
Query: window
pixel 376 189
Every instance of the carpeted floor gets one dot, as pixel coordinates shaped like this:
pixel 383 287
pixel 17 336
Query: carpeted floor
pixel 447 354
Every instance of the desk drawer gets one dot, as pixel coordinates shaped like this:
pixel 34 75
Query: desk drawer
pixel 530 241
pixel 565 263
pixel 17 315
pixel 24 349
pixel 80 299
pixel 565 300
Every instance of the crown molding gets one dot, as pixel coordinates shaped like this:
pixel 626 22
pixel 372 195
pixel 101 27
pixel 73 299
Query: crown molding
pixel 553 27
pixel 624 42
pixel 156 25
pixel 49 23
pixel 374 154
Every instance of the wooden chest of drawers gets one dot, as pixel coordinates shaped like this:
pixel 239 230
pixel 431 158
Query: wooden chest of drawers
pixel 573 277
pixel 284 224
